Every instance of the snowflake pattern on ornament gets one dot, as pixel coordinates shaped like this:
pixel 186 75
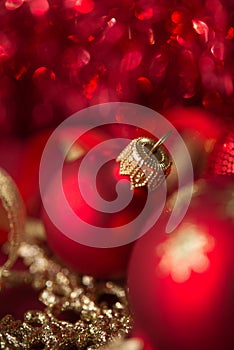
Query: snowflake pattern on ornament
pixel 184 252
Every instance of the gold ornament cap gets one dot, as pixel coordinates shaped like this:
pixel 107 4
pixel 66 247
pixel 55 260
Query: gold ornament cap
pixel 147 162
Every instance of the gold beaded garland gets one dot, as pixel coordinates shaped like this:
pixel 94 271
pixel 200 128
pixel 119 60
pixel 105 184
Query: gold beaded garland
pixel 100 307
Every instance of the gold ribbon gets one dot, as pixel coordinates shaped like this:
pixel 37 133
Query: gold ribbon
pixel 14 206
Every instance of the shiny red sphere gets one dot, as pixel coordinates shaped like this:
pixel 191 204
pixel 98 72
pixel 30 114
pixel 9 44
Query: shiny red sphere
pixel 99 262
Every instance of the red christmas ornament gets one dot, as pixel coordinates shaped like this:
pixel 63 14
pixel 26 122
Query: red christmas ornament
pixel 181 284
pixel 221 160
pixel 99 262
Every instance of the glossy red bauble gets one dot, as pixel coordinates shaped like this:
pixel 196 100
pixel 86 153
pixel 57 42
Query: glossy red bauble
pixel 99 262
pixel 181 284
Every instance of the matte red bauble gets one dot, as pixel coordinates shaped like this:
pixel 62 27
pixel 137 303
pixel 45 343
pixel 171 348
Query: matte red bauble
pixel 181 285
pixel 99 262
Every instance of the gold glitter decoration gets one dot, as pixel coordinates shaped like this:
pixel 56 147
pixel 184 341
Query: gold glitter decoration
pixel 100 308
pixel 146 162
pixel 15 210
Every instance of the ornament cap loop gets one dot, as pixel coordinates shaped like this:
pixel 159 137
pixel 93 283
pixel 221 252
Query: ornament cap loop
pixel 160 141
